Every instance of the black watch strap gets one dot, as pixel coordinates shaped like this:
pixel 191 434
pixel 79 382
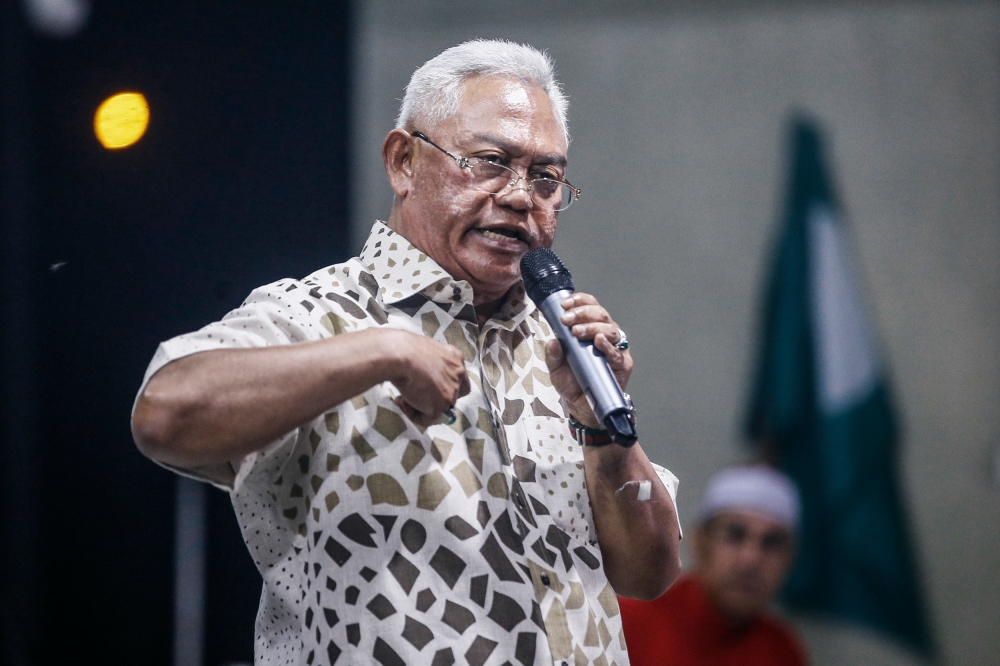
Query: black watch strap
pixel 589 436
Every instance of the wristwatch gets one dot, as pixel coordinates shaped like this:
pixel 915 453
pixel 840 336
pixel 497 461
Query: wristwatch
pixel 585 436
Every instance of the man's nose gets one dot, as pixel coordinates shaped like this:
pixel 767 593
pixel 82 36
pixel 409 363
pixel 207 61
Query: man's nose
pixel 751 551
pixel 516 195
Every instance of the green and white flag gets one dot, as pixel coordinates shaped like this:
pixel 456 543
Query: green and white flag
pixel 821 405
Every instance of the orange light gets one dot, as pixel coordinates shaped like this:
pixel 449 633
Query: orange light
pixel 121 120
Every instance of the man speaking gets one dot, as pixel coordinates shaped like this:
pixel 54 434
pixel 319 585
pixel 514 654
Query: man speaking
pixel 416 472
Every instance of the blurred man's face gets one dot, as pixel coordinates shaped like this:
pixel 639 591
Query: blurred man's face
pixel 742 560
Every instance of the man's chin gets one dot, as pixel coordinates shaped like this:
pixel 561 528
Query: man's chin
pixel 748 602
pixel 494 288
pixel 494 271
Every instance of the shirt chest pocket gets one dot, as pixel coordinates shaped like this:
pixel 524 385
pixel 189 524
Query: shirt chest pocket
pixel 559 481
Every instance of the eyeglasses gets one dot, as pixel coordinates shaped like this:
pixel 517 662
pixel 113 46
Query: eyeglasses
pixel 492 177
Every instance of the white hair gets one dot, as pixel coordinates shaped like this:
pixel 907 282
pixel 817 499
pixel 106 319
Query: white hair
pixel 434 91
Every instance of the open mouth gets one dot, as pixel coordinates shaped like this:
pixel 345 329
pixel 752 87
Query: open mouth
pixel 501 234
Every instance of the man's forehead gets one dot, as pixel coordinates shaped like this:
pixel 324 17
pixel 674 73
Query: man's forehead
pixel 512 94
pixel 514 115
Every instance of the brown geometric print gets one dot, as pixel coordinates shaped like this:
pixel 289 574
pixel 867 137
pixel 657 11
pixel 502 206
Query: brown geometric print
pixel 383 543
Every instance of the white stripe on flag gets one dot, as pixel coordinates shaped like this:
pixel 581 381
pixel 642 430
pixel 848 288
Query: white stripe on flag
pixel 847 361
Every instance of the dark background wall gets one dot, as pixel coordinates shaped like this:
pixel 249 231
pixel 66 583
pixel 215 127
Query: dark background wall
pixel 240 179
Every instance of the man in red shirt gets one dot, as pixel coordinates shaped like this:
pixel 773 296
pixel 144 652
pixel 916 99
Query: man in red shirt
pixel 717 615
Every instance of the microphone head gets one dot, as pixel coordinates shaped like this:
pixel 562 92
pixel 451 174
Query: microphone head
pixel 544 274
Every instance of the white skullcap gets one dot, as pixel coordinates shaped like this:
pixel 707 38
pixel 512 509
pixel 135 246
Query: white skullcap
pixel 754 488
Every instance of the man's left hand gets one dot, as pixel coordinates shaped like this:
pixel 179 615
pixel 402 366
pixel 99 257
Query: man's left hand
pixel 588 321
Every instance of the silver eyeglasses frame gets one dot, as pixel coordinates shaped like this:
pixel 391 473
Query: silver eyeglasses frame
pixel 465 163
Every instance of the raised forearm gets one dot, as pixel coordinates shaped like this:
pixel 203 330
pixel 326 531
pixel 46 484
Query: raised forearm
pixel 216 406
pixel 635 519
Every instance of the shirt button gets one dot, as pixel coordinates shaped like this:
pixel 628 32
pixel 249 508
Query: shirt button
pixel 545 581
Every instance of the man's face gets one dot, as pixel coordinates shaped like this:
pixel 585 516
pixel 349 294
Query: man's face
pixel 742 560
pixel 474 235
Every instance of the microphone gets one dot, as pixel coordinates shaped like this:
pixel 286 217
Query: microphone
pixel 548 283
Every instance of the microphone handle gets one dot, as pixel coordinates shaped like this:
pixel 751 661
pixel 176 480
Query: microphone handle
pixel 591 370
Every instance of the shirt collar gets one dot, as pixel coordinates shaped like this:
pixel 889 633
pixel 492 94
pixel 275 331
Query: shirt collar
pixel 402 271
pixel 515 309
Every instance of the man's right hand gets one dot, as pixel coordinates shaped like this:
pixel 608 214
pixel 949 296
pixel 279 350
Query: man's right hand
pixel 218 406
pixel 434 378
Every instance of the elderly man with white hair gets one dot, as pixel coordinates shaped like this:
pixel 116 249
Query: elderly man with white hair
pixel 717 616
pixel 416 472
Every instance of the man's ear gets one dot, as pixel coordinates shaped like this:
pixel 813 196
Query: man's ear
pixel 398 159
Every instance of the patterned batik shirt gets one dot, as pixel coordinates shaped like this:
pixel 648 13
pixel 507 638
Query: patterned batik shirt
pixel 381 542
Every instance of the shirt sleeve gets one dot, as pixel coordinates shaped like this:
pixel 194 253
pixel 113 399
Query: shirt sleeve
pixel 270 316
